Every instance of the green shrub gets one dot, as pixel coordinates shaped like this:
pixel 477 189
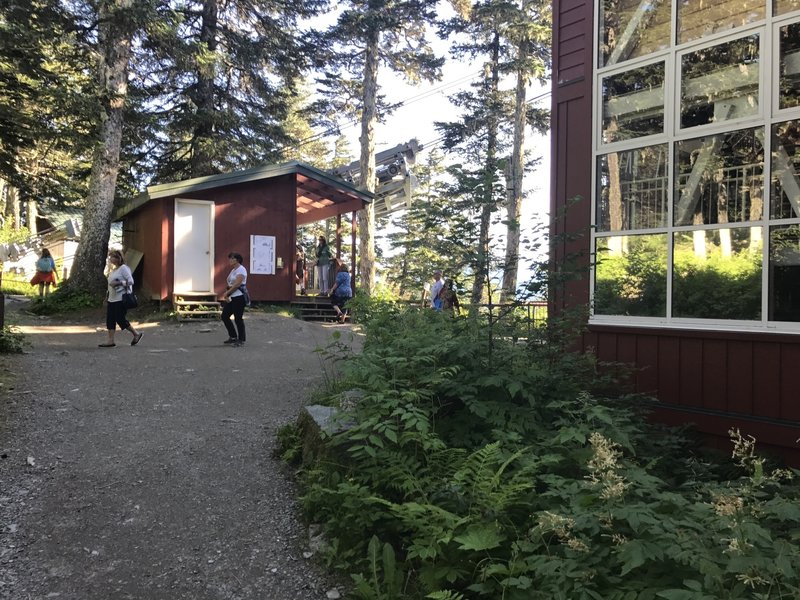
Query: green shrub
pixel 486 469
pixel 66 301
pixel 12 340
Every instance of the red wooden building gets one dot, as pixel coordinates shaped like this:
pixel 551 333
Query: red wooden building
pixel 185 230
pixel 676 192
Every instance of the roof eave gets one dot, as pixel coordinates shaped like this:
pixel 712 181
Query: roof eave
pixel 167 190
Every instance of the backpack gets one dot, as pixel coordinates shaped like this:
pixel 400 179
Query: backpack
pixel 44 265
pixel 245 293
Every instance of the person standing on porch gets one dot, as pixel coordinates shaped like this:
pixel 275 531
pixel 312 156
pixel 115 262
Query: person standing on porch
pixel 300 270
pixel 323 264
pixel 436 290
pixel 233 301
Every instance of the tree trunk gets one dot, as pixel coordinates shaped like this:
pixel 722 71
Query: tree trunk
pixel 514 183
pixel 12 206
pixel 487 200
pixel 366 217
pixel 201 162
pixel 32 212
pixel 114 50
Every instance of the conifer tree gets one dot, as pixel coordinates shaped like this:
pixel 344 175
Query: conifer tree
pixel 530 37
pixel 367 35
pixel 430 234
pixel 224 75
pixel 118 21
pixel 43 106
pixel 483 132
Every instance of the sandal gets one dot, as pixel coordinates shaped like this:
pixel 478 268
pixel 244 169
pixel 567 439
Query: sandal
pixel 136 339
pixel 106 345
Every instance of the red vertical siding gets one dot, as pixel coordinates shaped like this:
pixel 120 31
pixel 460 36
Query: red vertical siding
pixel 668 367
pixel 571 122
pixel 790 388
pixel 715 374
pixel 690 370
pixel 718 380
pixel 767 380
pixel 740 377
pixel 142 231
pixel 257 209
pixel 647 364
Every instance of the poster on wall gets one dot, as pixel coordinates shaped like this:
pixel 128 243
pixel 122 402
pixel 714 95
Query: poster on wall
pixel 262 255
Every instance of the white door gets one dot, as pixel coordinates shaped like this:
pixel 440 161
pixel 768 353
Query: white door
pixel 194 254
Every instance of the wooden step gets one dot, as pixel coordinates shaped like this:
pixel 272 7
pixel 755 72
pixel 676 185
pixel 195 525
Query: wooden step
pixel 314 308
pixel 191 306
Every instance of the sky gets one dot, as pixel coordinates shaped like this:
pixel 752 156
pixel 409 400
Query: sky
pixel 427 103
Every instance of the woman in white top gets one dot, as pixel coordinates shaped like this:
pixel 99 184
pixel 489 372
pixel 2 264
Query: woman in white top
pixel 234 301
pixel 120 280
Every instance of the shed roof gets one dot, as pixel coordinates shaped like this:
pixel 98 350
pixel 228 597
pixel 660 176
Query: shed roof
pixel 316 189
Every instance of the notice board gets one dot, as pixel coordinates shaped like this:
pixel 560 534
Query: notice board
pixel 262 255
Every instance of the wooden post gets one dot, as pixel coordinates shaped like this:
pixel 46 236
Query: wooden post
pixel 353 228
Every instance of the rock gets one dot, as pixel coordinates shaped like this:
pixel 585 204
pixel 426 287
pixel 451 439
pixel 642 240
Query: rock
pixel 333 594
pixel 349 400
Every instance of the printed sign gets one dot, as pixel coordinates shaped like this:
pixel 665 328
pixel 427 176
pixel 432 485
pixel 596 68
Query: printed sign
pixel 262 255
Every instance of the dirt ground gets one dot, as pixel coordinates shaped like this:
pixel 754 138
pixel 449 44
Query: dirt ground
pixel 147 472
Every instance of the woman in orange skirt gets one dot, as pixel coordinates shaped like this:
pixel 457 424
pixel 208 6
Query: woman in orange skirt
pixel 45 273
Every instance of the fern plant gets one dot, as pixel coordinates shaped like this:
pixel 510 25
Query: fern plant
pixel 488 469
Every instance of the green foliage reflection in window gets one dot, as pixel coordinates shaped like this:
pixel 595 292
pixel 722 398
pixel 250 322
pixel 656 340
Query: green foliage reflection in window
pixel 631 276
pixel 717 274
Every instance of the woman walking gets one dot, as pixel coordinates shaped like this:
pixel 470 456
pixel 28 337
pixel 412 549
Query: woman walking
pixel 234 301
pixel 45 273
pixel 341 292
pixel 120 280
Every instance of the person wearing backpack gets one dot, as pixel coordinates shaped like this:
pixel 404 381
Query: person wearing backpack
pixel 45 273
pixel 120 280
pixel 234 299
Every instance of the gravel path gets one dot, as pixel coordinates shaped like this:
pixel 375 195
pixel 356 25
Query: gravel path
pixel 147 472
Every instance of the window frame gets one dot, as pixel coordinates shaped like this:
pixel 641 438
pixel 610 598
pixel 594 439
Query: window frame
pixel 767 116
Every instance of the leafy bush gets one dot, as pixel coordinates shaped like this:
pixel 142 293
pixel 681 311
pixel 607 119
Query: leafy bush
pixel 483 469
pixel 365 307
pixel 66 301
pixel 12 340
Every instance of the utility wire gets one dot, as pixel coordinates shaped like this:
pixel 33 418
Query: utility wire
pixel 410 100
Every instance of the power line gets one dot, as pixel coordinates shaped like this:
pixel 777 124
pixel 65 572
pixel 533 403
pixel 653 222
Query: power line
pixel 406 102
pixel 401 104
pixel 435 142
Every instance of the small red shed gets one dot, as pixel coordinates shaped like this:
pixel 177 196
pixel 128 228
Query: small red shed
pixel 185 230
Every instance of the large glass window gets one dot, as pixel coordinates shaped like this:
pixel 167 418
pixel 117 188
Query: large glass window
pixel 633 103
pixel 785 6
pixel 686 226
pixel 785 192
pixel 632 28
pixel 789 90
pixel 784 273
pixel 631 275
pixel 632 190
pixel 701 18
pixel 719 178
pixel 717 274
pixel 720 83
